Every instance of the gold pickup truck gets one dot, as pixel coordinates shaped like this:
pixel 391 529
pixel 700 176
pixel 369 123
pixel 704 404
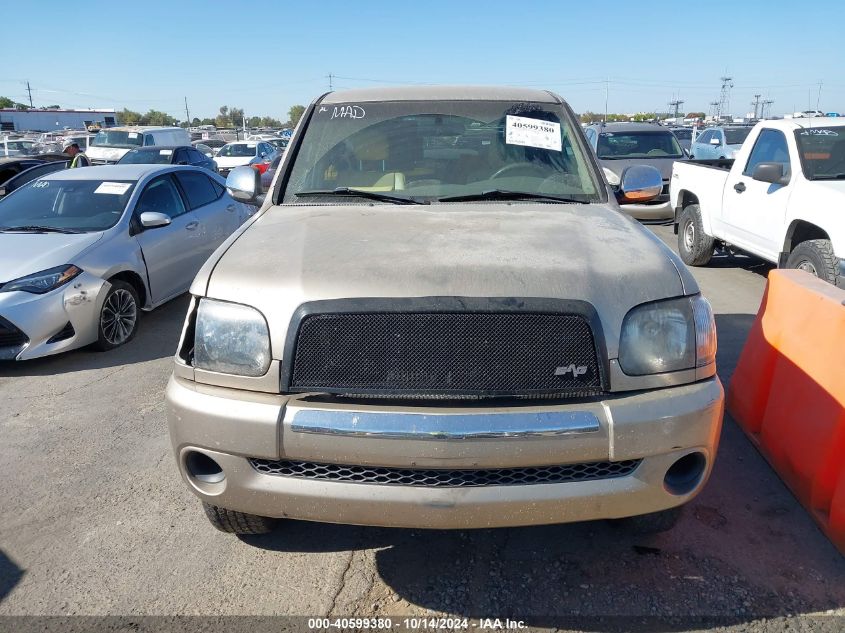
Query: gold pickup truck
pixel 440 318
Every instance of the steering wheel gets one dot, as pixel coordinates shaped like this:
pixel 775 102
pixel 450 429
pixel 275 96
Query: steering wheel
pixel 507 169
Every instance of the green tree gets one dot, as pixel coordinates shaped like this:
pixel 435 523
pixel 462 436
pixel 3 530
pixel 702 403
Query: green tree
pixel 295 113
pixel 155 117
pixel 129 117
pixel 223 119
pixel 5 102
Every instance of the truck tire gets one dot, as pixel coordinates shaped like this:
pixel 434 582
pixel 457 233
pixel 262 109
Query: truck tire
pixel 233 522
pixel 653 523
pixel 694 245
pixel 817 258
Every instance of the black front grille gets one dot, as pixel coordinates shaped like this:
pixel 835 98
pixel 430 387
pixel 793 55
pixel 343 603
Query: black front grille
pixel 443 478
pixel 10 336
pixel 441 354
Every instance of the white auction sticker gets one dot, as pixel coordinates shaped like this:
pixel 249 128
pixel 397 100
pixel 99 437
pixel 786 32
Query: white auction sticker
pixel 114 188
pixel 521 130
pixel 132 135
pixel 165 152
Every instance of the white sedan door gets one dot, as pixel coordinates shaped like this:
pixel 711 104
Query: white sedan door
pixel 217 213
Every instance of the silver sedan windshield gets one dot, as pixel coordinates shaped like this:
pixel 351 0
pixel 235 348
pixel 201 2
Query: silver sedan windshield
pixel 70 205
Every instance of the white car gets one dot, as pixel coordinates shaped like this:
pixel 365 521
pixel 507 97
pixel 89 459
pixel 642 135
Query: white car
pixel 781 199
pixel 243 153
pixel 83 251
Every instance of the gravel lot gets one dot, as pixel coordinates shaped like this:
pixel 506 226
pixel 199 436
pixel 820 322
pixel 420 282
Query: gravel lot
pixel 95 521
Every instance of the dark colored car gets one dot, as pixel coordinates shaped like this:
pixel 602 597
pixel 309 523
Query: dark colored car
pixel 621 145
pixel 24 171
pixel 684 136
pixel 176 155
pixel 267 176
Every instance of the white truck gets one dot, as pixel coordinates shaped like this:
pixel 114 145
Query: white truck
pixel 782 199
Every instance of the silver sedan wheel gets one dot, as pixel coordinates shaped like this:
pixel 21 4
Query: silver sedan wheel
pixel 117 320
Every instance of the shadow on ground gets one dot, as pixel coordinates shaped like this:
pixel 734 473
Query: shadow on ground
pixel 157 337
pixel 10 575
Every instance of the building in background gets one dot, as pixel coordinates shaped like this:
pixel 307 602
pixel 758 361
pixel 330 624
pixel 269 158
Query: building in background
pixel 43 120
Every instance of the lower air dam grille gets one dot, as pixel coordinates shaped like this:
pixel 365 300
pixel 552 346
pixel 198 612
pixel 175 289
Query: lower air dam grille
pixel 446 478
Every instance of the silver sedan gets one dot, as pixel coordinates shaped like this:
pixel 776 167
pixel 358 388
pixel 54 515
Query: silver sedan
pixel 83 251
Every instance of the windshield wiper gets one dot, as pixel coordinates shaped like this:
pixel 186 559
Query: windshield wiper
pixel 829 177
pixel 503 194
pixel 36 229
pixel 349 191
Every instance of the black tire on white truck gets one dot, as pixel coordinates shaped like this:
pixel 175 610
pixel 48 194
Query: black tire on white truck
pixel 817 258
pixel 694 245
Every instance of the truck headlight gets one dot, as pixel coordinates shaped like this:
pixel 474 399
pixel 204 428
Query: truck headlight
pixel 44 281
pixel 668 336
pixel 231 338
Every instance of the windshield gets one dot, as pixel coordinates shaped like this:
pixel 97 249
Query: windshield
pixel 156 157
pixel 117 138
pixel 436 149
pixel 683 134
pixel 822 152
pixel 238 150
pixel 736 136
pixel 657 144
pixel 76 205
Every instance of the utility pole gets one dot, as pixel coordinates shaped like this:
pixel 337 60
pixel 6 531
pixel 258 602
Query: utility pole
pixel 725 96
pixel 675 104
pixel 756 104
pixel 766 108
pixel 187 114
pixel 714 108
pixel 29 90
pixel 606 92
pixel 330 82
pixel 819 97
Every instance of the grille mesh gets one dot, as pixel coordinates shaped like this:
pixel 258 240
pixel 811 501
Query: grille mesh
pixel 452 478
pixel 10 336
pixel 446 353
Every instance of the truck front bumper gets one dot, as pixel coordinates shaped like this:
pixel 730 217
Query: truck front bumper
pixel 223 439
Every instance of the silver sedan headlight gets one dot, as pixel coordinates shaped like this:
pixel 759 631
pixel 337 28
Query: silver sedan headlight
pixel 667 336
pixel 44 281
pixel 231 338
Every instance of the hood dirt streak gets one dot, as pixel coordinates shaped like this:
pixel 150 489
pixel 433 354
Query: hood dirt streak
pixel 295 254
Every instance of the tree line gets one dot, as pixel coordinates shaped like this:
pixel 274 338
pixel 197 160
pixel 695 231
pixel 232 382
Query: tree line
pixel 596 117
pixel 228 116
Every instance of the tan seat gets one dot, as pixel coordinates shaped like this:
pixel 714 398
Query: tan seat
pixel 371 155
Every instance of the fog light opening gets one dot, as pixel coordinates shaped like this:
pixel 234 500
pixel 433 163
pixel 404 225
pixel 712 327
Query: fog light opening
pixel 202 468
pixel 685 474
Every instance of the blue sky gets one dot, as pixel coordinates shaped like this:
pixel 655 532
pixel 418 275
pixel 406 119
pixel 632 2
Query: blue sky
pixel 266 56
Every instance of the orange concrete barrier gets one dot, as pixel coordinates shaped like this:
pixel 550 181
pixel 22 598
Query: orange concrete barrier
pixel 788 392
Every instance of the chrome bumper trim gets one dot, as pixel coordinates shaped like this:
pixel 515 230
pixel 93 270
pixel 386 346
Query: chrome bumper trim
pixel 446 426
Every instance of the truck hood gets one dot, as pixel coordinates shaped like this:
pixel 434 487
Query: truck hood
pixel 292 254
pixel 110 154
pixel 23 254
pixel 663 165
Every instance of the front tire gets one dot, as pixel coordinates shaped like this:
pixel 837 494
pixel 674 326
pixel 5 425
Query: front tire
pixel 233 522
pixel 817 258
pixel 694 245
pixel 118 320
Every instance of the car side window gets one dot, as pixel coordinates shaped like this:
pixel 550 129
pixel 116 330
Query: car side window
pixel 219 189
pixel 704 137
pixel 719 134
pixel 181 157
pixel 770 147
pixel 161 196
pixel 591 135
pixel 197 156
pixel 197 187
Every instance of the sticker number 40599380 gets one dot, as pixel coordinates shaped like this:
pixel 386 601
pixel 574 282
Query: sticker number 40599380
pixel 528 132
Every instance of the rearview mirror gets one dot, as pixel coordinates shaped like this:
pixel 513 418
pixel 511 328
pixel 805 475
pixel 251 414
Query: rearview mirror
pixel 154 219
pixel 715 141
pixel 244 184
pixel 640 183
pixel 773 173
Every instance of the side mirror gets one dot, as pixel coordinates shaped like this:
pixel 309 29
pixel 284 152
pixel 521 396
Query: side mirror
pixel 244 184
pixel 773 173
pixel 640 183
pixel 715 141
pixel 154 219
